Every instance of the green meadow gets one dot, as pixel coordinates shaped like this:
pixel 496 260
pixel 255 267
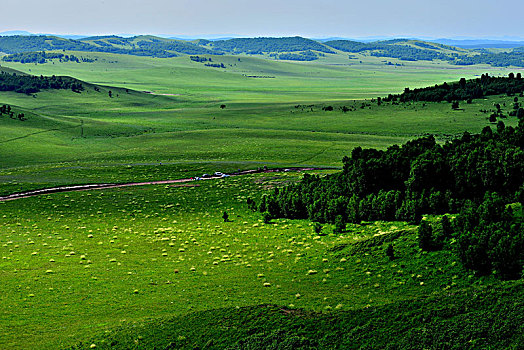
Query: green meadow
pixel 273 114
pixel 80 263
pixel 78 266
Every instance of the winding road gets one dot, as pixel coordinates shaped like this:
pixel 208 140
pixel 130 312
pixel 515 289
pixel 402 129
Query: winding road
pixel 88 187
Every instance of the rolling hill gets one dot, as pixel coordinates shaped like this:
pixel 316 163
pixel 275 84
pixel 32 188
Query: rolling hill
pixel 285 48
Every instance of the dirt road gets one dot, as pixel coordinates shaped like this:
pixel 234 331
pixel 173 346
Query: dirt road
pixel 115 185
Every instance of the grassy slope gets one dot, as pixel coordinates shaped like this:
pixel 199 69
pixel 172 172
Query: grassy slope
pixel 73 264
pixel 260 123
pixel 478 319
pixel 54 303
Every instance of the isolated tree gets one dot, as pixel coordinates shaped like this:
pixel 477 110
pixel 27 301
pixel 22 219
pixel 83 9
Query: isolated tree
pixel 520 113
pixel 110 93
pixel 500 126
pixel 222 106
pixel 225 216
pixel 340 224
pixel 425 236
pixel 266 217
pixel 390 252
pixel 455 105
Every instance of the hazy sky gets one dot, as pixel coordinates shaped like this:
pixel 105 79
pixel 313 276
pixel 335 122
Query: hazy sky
pixel 310 18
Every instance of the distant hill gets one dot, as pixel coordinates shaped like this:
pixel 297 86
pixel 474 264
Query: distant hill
pixel 285 48
pixel 479 43
pixel 138 45
pixel 415 50
pixel 15 32
pixel 268 45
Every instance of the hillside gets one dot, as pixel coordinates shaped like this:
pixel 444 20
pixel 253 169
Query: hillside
pixel 73 263
pixel 285 48
pixel 138 45
pixel 414 50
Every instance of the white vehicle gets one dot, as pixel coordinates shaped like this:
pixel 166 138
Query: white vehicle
pixel 225 175
pixel 218 173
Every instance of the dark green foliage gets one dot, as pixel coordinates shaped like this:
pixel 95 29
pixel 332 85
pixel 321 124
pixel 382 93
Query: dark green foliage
pixel 340 224
pixel 297 56
pixel 43 57
pixel 274 340
pixel 402 183
pixel 29 84
pixel 200 59
pixel 390 252
pixel 501 59
pixel 251 204
pixel 215 65
pixel 462 90
pixel 267 45
pixel 423 177
pixel 21 43
pixel 491 237
pixel 388 49
pixel 429 52
pixel 427 238
pixel 155 47
pixel 317 227
pixel 267 217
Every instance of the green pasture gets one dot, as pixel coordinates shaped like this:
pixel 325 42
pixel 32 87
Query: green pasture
pixel 255 79
pixel 77 264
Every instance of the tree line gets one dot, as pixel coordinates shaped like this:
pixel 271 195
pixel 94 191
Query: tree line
pixel 30 84
pixel 8 111
pixel 42 57
pixel 464 89
pixel 477 176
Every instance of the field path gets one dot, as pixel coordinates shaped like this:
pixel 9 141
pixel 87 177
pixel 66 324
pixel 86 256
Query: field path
pixel 88 187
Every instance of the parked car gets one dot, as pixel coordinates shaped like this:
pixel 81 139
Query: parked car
pixel 218 173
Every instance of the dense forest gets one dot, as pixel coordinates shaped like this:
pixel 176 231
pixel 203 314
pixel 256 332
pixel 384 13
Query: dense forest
pixel 464 89
pixel 266 45
pixel 430 52
pixel 297 56
pixel 501 59
pixel 481 177
pixel 29 84
pixel 43 57
pixel 148 46
pixel 388 49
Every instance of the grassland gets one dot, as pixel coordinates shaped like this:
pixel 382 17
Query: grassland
pixel 181 122
pixel 82 263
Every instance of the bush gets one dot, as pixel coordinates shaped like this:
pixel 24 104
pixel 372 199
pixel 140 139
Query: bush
pixel 266 217
pixel 340 224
